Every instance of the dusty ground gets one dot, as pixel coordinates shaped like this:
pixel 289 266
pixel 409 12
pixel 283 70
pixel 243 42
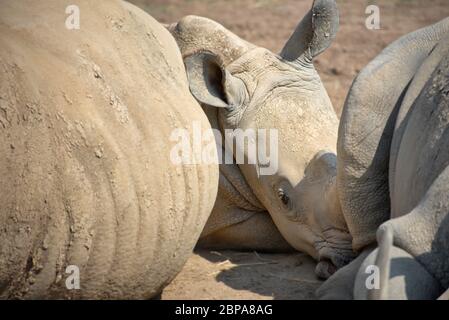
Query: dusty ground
pixel 268 23
pixel 244 275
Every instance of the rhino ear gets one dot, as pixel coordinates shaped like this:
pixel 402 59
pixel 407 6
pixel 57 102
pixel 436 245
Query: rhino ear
pixel 210 83
pixel 314 33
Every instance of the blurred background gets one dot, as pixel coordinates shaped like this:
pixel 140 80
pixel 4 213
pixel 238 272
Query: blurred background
pixel 269 23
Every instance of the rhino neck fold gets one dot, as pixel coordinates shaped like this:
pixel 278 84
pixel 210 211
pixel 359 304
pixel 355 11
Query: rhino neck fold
pixel 232 182
pixel 232 179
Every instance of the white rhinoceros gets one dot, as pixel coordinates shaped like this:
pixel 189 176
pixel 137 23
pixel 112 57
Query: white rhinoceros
pixel 241 86
pixel 393 157
pixel 87 182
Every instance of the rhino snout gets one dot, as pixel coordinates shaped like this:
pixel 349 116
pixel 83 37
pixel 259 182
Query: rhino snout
pixel 330 259
pixel 325 268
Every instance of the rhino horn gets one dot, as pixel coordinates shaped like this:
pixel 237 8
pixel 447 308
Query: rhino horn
pixel 314 34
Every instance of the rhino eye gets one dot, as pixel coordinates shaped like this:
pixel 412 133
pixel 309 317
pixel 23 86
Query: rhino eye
pixel 283 197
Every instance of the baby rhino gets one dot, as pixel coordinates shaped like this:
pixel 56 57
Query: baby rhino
pixel 241 86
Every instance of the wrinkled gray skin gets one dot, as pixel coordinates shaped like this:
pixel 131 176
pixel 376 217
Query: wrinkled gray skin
pixel 393 155
pixel 85 122
pixel 243 86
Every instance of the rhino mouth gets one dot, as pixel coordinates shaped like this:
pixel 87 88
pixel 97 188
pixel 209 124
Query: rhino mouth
pixel 332 259
pixel 325 268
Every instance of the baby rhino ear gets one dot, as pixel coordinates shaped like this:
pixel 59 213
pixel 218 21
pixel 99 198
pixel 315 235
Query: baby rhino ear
pixel 314 33
pixel 209 81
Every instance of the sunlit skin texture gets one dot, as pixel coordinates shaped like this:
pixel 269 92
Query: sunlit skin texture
pixel 295 103
pixel 87 179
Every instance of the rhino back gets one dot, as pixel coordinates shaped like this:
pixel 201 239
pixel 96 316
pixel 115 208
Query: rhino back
pixel 422 175
pixel 85 122
pixel 366 130
pixel 410 145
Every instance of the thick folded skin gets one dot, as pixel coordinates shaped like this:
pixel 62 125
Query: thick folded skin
pixel 85 122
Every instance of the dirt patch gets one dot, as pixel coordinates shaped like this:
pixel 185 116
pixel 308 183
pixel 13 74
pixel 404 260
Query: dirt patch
pixel 245 275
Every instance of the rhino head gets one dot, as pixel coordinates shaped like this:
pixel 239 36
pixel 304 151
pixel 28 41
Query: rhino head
pixel 253 88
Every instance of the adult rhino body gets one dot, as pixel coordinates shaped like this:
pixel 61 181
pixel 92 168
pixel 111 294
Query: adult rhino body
pixel 393 158
pixel 85 121
pixel 241 86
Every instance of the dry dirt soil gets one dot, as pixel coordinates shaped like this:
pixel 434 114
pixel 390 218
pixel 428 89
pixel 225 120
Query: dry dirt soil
pixel 244 275
pixel 268 23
